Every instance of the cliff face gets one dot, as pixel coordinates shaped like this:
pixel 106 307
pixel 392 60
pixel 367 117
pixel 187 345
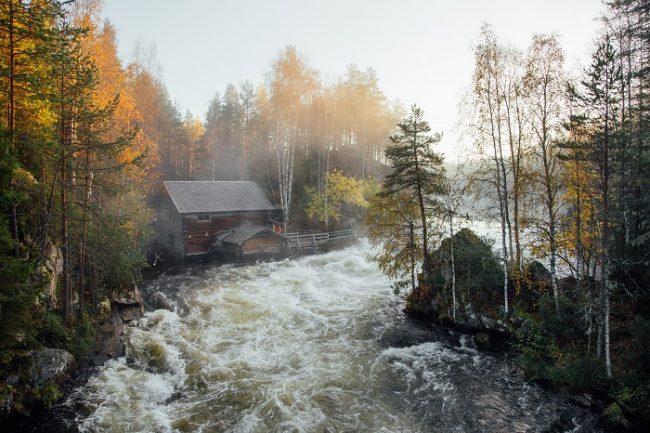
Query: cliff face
pixel 33 379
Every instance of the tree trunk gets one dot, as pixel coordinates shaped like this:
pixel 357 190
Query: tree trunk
pixel 453 263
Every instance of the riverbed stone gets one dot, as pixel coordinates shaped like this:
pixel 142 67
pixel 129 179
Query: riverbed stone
pixel 161 302
pixel 50 364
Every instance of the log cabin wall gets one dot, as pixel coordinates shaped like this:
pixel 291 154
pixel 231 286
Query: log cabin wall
pixel 169 228
pixel 201 230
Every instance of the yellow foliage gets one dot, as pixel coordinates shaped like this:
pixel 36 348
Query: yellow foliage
pixel 339 189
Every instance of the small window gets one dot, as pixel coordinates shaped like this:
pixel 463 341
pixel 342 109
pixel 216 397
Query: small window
pixel 171 214
pixel 204 218
pixel 171 240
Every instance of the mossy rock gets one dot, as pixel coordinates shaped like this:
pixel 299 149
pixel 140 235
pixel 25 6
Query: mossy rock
pixel 614 417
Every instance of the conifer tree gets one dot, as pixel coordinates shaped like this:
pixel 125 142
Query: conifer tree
pixel 416 168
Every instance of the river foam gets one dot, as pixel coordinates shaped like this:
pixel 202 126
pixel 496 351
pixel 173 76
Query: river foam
pixel 288 346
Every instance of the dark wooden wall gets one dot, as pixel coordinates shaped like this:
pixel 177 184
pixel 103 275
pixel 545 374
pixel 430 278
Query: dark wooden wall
pixel 169 228
pixel 200 235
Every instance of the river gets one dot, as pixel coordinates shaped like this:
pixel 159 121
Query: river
pixel 316 344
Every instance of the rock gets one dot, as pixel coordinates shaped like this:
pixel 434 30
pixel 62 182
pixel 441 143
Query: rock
pixel 584 401
pixel 129 313
pixel 110 338
pixel 537 272
pixel 51 269
pixel 49 364
pixel 129 303
pixel 488 323
pixel 129 295
pixel 161 302
pixel 483 341
pixel 126 307
pixel 615 420
pixel 99 359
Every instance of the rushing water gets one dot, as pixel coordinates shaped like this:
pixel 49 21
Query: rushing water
pixel 318 344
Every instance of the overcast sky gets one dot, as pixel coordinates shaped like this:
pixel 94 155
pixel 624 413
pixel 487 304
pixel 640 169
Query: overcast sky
pixel 421 50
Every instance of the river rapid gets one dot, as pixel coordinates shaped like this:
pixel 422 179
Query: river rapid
pixel 316 344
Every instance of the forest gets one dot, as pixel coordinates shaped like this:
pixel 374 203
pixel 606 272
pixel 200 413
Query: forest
pixel 558 163
pixel 561 168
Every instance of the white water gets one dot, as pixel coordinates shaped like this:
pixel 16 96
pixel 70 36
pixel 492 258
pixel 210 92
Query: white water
pixel 317 344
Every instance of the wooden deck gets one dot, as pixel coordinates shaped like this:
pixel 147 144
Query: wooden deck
pixel 299 244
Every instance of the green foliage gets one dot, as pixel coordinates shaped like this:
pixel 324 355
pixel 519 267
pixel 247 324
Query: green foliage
pixel 565 327
pixel 119 257
pixel 542 358
pixel 415 166
pixel 549 350
pixel 83 338
pixel 50 393
pixel 392 223
pixel 636 398
pixel 19 287
pixel 52 331
pixel 77 339
pixel 639 355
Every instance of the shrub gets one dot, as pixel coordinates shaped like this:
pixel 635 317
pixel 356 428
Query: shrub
pixel 565 327
pixel 52 331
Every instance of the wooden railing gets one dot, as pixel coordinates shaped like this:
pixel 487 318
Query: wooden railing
pixel 300 243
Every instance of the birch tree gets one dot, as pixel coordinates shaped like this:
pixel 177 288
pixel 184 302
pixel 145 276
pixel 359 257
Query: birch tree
pixel 545 90
pixel 292 86
pixel 490 133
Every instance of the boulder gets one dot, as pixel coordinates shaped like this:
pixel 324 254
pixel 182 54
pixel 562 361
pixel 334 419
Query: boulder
pixel 128 302
pixel 614 419
pixel 49 364
pixel 126 307
pixel 488 323
pixel 161 302
pixel 129 295
pixel 110 338
pixel 130 313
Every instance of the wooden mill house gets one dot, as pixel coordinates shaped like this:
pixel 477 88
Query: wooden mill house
pixel 228 217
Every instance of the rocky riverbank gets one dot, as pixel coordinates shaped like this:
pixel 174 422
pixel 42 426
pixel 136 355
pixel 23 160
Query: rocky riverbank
pixel 37 379
pixel 498 335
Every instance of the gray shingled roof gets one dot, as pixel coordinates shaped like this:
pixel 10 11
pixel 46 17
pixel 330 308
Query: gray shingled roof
pixel 217 196
pixel 244 232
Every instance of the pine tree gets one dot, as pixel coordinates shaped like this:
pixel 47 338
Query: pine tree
pixel 416 168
